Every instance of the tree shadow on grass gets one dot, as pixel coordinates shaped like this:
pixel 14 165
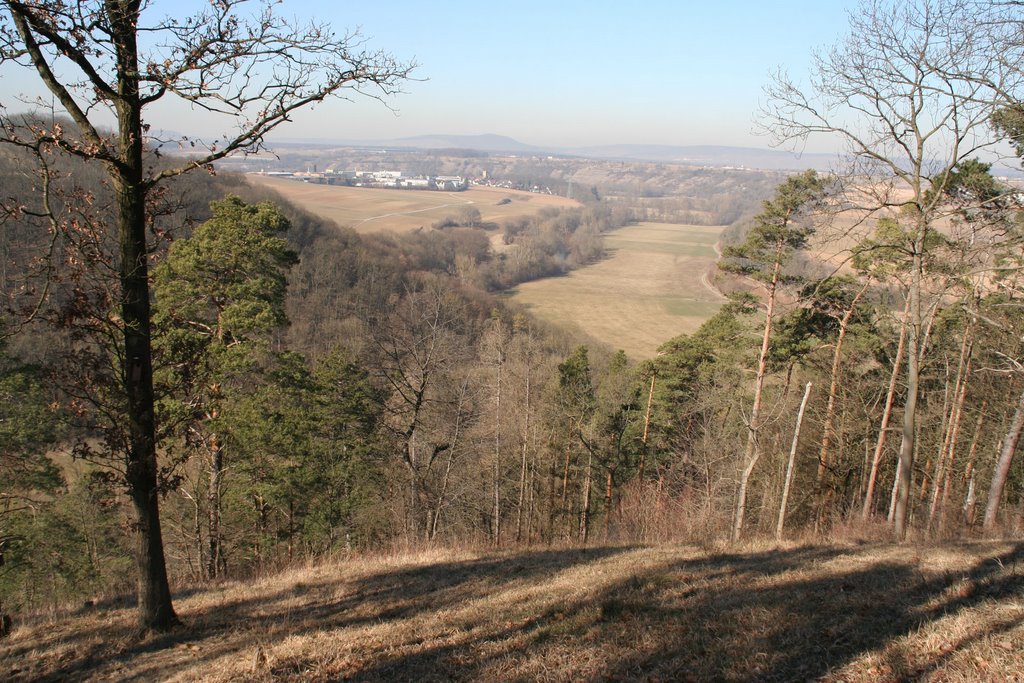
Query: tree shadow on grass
pixel 633 614
pixel 751 617
pixel 330 601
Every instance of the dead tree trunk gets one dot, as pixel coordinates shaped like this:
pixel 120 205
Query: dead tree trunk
pixel 970 498
pixel 647 427
pixel 792 461
pixel 1002 472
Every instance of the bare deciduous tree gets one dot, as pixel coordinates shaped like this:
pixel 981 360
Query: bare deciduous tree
pixel 111 60
pixel 909 93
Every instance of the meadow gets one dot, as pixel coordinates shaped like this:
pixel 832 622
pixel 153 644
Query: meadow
pixel 839 612
pixel 375 209
pixel 654 285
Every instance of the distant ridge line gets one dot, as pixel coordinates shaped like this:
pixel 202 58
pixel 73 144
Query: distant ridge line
pixel 695 155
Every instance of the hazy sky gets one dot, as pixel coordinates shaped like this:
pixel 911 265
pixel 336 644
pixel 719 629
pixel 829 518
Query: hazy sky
pixel 561 73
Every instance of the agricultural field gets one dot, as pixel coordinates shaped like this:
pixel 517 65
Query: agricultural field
pixel 654 285
pixel 374 209
pixel 870 612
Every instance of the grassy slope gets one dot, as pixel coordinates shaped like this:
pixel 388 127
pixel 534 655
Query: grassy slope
pixel 652 287
pixel 851 613
pixel 375 209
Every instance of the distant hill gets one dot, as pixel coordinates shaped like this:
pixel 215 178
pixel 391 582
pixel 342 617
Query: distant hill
pixel 710 155
pixel 479 143
pixel 698 155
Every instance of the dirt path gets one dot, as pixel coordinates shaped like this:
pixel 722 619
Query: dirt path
pixel 705 279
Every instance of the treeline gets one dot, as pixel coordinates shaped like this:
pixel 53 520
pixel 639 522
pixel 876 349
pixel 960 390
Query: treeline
pixel 318 391
pixel 322 392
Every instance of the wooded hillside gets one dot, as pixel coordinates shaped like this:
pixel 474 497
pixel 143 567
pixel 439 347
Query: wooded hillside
pixel 317 392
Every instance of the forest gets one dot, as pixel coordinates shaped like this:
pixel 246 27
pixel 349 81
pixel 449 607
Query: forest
pixel 320 393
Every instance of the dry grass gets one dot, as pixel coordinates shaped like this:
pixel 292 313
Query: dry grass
pixel 653 286
pixel 828 613
pixel 374 209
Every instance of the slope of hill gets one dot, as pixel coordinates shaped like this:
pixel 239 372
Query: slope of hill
pixel 823 613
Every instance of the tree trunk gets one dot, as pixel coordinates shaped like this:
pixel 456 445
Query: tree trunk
pixel 531 497
pixel 833 391
pixel 434 519
pixel 565 491
pixel 970 499
pixel 213 553
pixel 886 413
pixel 948 400
pixel 291 529
pixel 792 460
pixel 830 409
pixel 496 512
pixel 585 512
pixel 944 470
pixel 552 500
pixel 523 464
pixel 197 531
pixel 440 496
pixel 156 612
pixel 522 496
pixel 647 427
pixel 1002 472
pixel 608 491
pixel 901 511
pixel 750 457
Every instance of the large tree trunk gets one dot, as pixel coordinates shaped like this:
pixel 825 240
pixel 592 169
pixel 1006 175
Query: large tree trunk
pixel 995 492
pixel 156 611
pixel 155 608
pixel 522 495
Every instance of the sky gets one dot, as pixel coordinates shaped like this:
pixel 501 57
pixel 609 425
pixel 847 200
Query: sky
pixel 561 73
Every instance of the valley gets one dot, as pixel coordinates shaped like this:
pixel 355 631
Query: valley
pixel 653 285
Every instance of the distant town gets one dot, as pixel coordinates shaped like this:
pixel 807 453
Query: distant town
pixel 396 180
